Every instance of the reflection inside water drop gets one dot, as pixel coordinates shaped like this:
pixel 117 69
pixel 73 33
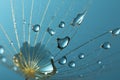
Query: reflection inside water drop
pixel 36 27
pixel 62 24
pixel 71 64
pixel 63 60
pixel 63 42
pixel 106 45
pixel 50 31
pixel 81 56
pixel 78 19
pixel 115 32
pixel 1 50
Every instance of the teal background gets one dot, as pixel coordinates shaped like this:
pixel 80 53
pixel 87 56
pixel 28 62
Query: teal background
pixel 102 16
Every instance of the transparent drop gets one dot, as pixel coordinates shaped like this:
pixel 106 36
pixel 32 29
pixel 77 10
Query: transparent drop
pixel 11 43
pixel 72 64
pixel 78 19
pixel 63 60
pixel 24 22
pixel 47 69
pixel 81 56
pixel 36 78
pixel 63 42
pixel 62 24
pixel 81 75
pixel 36 27
pixel 99 62
pixel 15 68
pixel 51 31
pixel 106 45
pixel 1 50
pixel 3 59
pixel 115 32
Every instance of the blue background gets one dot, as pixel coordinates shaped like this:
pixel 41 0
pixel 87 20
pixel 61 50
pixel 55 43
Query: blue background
pixel 102 16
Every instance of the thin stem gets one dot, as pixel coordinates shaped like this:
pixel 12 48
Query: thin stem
pixel 23 17
pixel 14 23
pixel 45 11
pixel 8 38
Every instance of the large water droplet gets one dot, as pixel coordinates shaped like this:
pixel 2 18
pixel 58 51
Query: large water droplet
pixel 72 64
pixel 51 31
pixel 106 45
pixel 62 24
pixel 1 50
pixel 81 56
pixel 78 19
pixel 63 42
pixel 115 32
pixel 36 27
pixel 63 60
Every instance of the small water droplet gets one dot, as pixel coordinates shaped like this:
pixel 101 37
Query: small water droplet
pixel 62 24
pixel 3 59
pixel 115 32
pixel 15 68
pixel 36 78
pixel 63 42
pixel 72 64
pixel 63 60
pixel 24 22
pixel 78 19
pixel 81 56
pixel 81 76
pixel 1 50
pixel 51 31
pixel 99 62
pixel 106 45
pixel 36 27
pixel 11 43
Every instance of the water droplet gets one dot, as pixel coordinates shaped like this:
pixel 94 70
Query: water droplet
pixel 15 68
pixel 115 32
pixel 63 42
pixel 63 60
pixel 81 56
pixel 3 59
pixel 11 43
pixel 62 24
pixel 24 22
pixel 1 50
pixel 71 64
pixel 36 27
pixel 81 75
pixel 78 19
pixel 36 78
pixel 99 62
pixel 106 45
pixel 51 31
